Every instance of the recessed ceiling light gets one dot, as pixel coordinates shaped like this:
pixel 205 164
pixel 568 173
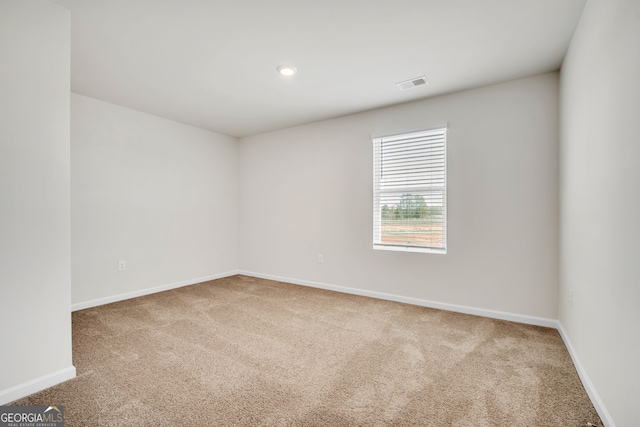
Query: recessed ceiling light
pixel 287 70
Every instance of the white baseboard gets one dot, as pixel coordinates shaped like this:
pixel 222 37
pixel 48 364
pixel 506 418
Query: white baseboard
pixel 586 382
pixel 133 294
pixel 520 318
pixel 37 384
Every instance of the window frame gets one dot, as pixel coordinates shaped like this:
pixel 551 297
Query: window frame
pixel 377 141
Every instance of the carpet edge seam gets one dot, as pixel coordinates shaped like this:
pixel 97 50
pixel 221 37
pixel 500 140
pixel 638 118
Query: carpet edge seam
pixel 147 291
pixel 596 400
pixel 494 314
pixel 37 384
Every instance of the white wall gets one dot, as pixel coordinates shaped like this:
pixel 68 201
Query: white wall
pixel 308 190
pixel 161 195
pixel 34 197
pixel 600 202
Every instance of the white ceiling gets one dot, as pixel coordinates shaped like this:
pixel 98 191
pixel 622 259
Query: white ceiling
pixel 212 63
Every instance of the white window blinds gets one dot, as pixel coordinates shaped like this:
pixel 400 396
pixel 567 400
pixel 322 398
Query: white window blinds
pixel 409 191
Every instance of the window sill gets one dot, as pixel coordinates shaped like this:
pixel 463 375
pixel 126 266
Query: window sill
pixel 409 249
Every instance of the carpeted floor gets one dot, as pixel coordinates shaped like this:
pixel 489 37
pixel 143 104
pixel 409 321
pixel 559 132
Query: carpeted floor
pixel 242 351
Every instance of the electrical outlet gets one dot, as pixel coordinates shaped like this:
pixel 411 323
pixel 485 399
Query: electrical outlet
pixel 320 258
pixel 122 265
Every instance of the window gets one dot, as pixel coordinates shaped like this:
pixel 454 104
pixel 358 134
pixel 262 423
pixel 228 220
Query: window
pixel 409 191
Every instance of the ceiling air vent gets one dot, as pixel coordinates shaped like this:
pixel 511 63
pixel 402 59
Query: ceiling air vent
pixel 415 82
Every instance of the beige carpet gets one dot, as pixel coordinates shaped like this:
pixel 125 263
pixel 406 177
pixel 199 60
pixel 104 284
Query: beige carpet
pixel 242 351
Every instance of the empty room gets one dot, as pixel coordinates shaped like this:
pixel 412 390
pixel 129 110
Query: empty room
pixel 320 213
